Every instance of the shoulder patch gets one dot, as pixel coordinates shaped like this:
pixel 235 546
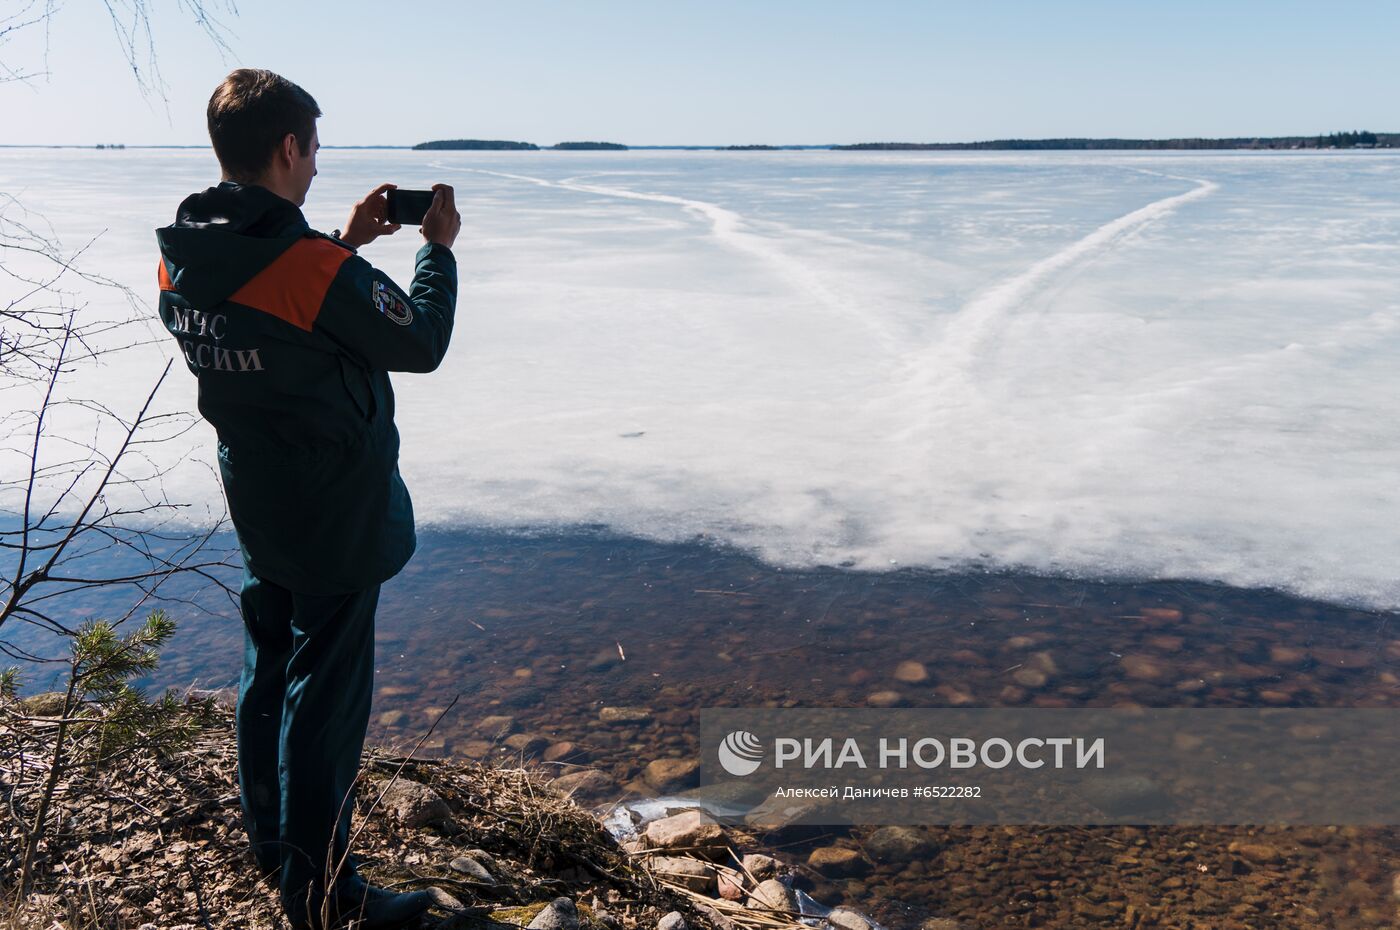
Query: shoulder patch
pixel 390 304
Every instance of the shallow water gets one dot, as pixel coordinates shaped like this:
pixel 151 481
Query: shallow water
pixel 549 629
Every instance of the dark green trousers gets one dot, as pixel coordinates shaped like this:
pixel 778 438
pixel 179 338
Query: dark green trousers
pixel 303 708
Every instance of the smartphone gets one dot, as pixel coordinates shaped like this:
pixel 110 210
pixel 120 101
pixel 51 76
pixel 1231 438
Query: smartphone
pixel 407 208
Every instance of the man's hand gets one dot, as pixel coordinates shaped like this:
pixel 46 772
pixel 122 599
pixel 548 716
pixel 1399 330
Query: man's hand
pixel 442 222
pixel 369 219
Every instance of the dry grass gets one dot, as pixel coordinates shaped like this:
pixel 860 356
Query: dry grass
pixel 161 841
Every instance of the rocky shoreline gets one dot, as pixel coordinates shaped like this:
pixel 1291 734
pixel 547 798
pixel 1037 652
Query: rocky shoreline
pixel 158 843
pixel 591 662
pixel 970 877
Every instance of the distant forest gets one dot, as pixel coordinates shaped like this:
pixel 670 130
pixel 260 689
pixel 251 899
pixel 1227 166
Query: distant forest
pixel 476 144
pixel 1336 140
pixel 1339 140
pixel 590 146
pixel 493 145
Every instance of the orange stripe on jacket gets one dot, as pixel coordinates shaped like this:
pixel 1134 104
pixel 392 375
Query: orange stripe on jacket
pixel 294 285
pixel 163 276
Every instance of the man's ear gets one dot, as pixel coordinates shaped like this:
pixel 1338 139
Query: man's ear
pixel 289 151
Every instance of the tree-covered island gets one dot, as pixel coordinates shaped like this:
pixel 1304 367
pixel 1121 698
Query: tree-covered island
pixel 1336 140
pixel 590 146
pixel 476 144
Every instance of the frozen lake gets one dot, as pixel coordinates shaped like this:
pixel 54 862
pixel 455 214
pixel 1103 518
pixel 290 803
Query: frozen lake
pixel 1165 365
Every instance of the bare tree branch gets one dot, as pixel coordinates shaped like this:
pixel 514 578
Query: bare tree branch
pixel 131 24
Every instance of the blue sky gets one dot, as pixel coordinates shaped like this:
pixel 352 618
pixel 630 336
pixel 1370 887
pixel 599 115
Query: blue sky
pixel 717 72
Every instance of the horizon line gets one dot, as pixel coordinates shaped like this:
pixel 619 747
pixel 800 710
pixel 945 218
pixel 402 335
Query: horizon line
pixel 788 145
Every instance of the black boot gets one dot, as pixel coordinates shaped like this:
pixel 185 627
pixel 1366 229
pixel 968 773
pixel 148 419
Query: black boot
pixel 374 908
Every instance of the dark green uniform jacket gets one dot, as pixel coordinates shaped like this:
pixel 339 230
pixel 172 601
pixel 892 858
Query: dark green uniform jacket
pixel 292 335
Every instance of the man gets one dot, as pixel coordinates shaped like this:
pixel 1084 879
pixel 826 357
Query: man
pixel 291 335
